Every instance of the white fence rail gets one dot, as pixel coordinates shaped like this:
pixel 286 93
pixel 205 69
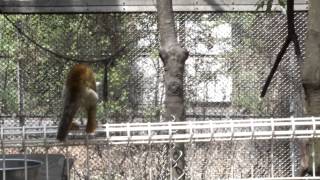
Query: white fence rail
pixel 162 132
pixel 168 132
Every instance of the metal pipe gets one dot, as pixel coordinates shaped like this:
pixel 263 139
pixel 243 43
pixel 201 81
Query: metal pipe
pixel 3 156
pixel 24 154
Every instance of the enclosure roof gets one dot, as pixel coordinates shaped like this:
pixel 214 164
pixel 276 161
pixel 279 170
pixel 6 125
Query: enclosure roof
pixel 68 6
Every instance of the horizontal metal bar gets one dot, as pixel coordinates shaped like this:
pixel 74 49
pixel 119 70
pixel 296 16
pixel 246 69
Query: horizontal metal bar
pixel 78 6
pixel 282 178
pixel 165 132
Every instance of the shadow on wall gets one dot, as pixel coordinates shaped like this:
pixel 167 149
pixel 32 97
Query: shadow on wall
pixel 215 5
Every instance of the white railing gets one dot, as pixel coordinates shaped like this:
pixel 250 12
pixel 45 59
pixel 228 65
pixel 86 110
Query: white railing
pixel 165 132
pixel 168 132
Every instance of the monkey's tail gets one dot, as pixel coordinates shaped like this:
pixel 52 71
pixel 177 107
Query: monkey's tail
pixel 69 112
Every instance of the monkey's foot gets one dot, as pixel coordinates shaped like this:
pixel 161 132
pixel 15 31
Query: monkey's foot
pixel 91 127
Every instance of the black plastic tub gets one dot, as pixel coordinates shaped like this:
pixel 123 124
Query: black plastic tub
pixel 15 169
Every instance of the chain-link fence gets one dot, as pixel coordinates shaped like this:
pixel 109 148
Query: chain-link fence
pixel 230 57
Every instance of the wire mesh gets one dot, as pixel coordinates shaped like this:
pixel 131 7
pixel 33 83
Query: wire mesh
pixel 230 57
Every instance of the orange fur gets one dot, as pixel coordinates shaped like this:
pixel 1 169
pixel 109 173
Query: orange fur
pixel 79 92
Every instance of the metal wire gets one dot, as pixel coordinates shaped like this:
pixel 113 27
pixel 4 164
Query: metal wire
pixel 230 57
pixel 251 130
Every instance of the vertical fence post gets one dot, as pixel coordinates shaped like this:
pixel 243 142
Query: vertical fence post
pixel 272 147
pixel 46 149
pixel 313 147
pixel 20 94
pixel 68 162
pixel 24 153
pixel 88 158
pixel 107 131
pixel 191 148
pixel 170 150
pixel 232 147
pixel 149 149
pixel 293 127
pixel 252 144
pixel 3 155
pixel 212 138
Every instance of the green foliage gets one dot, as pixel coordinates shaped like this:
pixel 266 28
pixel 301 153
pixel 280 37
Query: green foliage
pixel 8 90
pixel 118 94
pixel 249 101
pixel 246 90
pixel 81 36
pixel 8 101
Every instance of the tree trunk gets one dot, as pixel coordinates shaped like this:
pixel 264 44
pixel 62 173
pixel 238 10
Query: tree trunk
pixel 173 57
pixel 311 83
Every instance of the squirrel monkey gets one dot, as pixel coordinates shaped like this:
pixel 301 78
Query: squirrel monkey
pixel 79 92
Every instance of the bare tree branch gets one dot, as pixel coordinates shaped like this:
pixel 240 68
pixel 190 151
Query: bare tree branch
pixel 291 36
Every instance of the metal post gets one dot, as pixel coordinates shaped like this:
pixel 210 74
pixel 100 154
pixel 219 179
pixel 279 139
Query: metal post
pixel 313 147
pixel 170 150
pixel 292 146
pixel 87 160
pixel 313 160
pixel 20 94
pixel 212 140
pixel 272 147
pixel 191 149
pixel 149 149
pixel 150 169
pixel 46 148
pixel 232 147
pixel 107 132
pixel 24 153
pixel 3 155
pixel 68 162
pixel 252 144
pixel 110 160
